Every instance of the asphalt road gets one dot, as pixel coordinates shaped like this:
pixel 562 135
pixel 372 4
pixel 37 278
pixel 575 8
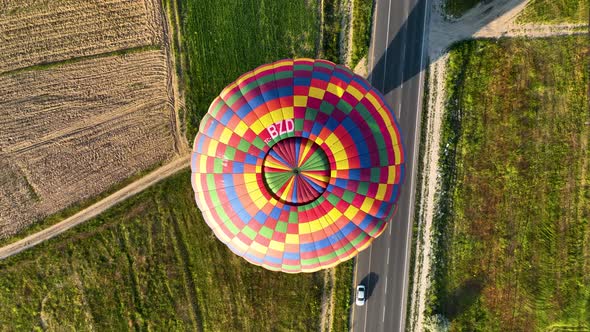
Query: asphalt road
pixel 397 57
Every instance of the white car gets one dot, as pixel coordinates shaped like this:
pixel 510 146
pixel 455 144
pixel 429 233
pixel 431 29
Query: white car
pixel 360 295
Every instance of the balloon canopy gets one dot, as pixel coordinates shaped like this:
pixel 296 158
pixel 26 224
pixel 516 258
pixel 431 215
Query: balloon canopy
pixel 297 165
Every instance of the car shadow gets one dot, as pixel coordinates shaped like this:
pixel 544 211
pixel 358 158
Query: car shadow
pixel 370 282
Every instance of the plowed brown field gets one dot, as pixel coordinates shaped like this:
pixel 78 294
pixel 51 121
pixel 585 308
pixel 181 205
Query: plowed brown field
pixel 71 132
pixel 74 128
pixel 43 31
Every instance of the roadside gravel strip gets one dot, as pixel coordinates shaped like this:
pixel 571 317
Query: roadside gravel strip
pixel 96 208
pixel 421 275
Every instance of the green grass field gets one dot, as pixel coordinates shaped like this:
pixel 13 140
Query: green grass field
pixel 151 263
pixel 343 289
pixel 456 8
pixel 361 29
pixel 223 39
pixel 513 233
pixel 332 28
pixel 556 11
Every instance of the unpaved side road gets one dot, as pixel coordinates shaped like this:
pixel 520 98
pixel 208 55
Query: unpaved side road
pixel 493 19
pixel 96 208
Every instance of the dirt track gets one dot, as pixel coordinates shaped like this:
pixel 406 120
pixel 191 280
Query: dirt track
pixel 492 20
pixel 96 208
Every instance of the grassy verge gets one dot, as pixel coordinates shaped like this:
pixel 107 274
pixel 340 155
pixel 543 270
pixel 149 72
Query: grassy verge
pixel 556 11
pixel 417 230
pixel 223 39
pixel 74 208
pixel 361 29
pixel 343 296
pixel 513 217
pixel 151 263
pixel 457 8
pixel 332 28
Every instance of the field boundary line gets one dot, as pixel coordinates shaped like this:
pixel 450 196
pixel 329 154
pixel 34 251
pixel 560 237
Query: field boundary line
pixel 172 83
pixel 96 208
pixel 48 65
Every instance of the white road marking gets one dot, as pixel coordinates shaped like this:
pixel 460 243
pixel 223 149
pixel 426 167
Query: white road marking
pixel 371 64
pixel 414 156
pixel 388 256
pixel 355 281
pixel 369 285
pixel 373 34
pixel 411 209
pixel 386 44
pixel 404 57
pixel 386 277
pixel 399 107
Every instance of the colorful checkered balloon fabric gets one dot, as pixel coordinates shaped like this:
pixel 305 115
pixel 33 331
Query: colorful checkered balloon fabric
pixel 297 165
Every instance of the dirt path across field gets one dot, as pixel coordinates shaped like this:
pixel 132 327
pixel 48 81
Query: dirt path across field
pixel 173 84
pixel 96 208
pixel 495 19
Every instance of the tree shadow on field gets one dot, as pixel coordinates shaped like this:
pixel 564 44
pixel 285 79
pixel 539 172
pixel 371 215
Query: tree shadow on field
pixel 370 282
pixel 463 297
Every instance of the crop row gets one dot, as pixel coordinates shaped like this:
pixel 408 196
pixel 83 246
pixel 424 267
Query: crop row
pixel 42 32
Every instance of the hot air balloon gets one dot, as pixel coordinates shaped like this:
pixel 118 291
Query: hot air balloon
pixel 297 165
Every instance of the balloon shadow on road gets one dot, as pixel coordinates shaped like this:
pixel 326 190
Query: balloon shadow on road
pixel 403 58
pixel 370 282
